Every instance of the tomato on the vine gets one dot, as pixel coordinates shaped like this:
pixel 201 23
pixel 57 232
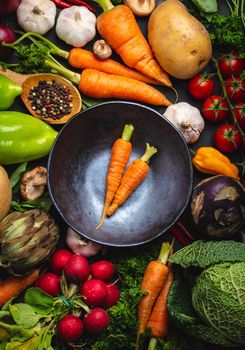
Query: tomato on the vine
pixel 231 65
pixel 215 108
pixel 201 86
pixel 227 138
pixel 235 89
pixel 239 110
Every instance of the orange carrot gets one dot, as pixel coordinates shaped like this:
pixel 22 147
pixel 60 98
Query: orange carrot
pixel 134 175
pixel 14 285
pixel 97 84
pixel 118 26
pixel 82 59
pixel 155 276
pixel 121 151
pixel 158 321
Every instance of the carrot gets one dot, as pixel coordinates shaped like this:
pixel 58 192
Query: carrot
pixel 155 276
pixel 134 175
pixel 82 59
pixel 97 84
pixel 14 285
pixel 121 151
pixel 118 26
pixel 158 321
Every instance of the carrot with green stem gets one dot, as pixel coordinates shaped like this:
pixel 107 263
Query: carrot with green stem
pixel 92 82
pixel 82 59
pixel 133 176
pixel 118 26
pixel 120 154
pixel 158 321
pixel 155 277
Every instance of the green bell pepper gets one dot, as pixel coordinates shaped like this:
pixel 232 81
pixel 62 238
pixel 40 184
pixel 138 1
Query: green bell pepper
pixel 23 137
pixel 8 91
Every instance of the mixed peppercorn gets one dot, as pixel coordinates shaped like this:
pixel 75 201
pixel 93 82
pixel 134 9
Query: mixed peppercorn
pixel 50 99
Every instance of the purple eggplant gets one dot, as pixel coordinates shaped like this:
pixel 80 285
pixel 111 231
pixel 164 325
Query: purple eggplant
pixel 218 207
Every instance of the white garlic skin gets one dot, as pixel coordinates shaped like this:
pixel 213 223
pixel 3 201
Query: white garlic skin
pixel 76 26
pixel 36 16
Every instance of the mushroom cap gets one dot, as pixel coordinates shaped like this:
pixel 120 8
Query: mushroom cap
pixel 33 183
pixel 141 7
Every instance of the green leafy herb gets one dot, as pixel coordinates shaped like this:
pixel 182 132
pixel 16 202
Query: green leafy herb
pixel 207 6
pixel 24 315
pixel 226 31
pixel 43 203
pixel 40 301
pixel 16 176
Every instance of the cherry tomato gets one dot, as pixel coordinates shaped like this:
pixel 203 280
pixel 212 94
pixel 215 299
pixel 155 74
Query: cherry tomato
pixel 235 89
pixel 201 86
pixel 231 65
pixel 239 110
pixel 215 108
pixel 227 138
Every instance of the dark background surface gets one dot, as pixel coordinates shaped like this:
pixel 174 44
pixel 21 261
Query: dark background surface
pixel 206 138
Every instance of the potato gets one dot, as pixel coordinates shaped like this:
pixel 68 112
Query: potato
pixel 5 193
pixel 181 43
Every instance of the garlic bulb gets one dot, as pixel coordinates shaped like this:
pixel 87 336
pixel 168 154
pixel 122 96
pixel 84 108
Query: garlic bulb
pixel 36 16
pixel 76 25
pixel 82 246
pixel 187 119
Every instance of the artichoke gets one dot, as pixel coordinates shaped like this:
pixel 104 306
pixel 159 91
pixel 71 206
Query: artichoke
pixel 26 240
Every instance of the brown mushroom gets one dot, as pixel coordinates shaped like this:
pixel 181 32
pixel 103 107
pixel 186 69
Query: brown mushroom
pixel 101 49
pixel 33 183
pixel 141 7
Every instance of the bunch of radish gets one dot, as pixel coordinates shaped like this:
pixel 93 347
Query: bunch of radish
pixel 96 287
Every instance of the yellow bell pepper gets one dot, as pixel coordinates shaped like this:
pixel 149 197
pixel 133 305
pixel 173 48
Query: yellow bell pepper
pixel 209 160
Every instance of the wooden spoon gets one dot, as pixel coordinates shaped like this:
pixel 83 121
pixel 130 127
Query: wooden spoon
pixel 27 81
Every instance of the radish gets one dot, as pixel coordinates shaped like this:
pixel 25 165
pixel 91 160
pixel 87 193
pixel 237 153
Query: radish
pixel 70 328
pixel 112 296
pixel 49 283
pixel 59 260
pixel 103 270
pixel 94 292
pixel 77 269
pixel 97 320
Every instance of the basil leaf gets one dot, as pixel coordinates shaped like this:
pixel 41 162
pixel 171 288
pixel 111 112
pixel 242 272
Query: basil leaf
pixel 40 301
pixel 43 203
pixel 207 6
pixel 24 315
pixel 3 345
pixel 16 176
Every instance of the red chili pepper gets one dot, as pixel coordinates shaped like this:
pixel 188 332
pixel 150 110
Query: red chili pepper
pixel 61 4
pixel 82 3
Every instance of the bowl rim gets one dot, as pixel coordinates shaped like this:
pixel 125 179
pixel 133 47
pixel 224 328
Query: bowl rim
pixel 188 193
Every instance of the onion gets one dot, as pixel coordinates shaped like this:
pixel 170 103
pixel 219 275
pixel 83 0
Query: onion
pixel 7 7
pixel 6 35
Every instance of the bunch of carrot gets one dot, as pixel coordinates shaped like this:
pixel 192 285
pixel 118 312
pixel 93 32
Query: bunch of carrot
pixel 108 78
pixel 120 186
pixel 152 308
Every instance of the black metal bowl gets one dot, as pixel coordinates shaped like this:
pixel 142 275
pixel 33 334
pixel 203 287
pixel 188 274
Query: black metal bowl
pixel 78 164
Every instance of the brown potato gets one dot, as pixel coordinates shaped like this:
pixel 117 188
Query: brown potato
pixel 5 193
pixel 179 41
